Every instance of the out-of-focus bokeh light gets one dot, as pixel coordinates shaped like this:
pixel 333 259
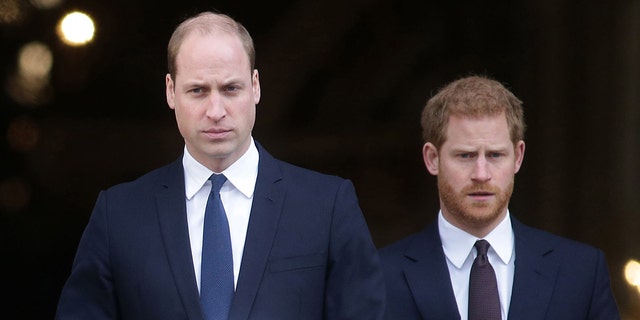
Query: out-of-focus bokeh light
pixel 632 273
pixel 15 194
pixel 11 11
pixel 29 85
pixel 29 92
pixel 23 134
pixel 45 4
pixel 76 29
pixel 35 60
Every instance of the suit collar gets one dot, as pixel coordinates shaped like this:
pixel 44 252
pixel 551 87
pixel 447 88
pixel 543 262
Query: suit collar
pixel 535 275
pixel 265 213
pixel 172 216
pixel 429 282
pixel 267 205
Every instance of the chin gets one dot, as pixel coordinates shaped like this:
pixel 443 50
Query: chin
pixel 483 216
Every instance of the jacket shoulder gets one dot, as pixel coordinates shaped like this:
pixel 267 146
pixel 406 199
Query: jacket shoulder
pixel 150 181
pixel 561 249
pixel 303 179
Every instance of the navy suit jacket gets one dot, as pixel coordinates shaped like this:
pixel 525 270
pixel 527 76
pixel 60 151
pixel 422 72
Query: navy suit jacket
pixel 308 252
pixel 555 278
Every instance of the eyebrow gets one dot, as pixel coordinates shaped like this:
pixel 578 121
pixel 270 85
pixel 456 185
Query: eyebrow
pixel 465 148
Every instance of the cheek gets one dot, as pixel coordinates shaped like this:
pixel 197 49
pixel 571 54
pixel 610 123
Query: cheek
pixel 454 177
pixel 252 115
pixel 506 177
pixel 455 170
pixel 180 121
pixel 247 112
pixel 184 117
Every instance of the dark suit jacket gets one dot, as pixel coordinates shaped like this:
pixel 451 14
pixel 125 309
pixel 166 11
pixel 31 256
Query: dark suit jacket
pixel 555 278
pixel 308 252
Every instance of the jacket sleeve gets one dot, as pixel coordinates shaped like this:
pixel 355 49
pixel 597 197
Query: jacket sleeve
pixel 89 291
pixel 355 285
pixel 603 303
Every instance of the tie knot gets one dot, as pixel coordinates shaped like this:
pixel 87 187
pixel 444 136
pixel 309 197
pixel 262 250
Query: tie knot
pixel 217 180
pixel 482 246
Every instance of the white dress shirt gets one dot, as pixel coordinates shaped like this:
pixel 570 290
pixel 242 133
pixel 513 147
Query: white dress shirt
pixel 236 195
pixel 460 253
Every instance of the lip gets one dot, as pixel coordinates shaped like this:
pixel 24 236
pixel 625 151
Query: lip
pixel 481 196
pixel 216 133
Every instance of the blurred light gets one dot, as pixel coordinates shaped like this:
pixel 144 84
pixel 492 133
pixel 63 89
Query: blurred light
pixel 10 11
pixel 632 272
pixel 15 194
pixel 29 86
pixel 76 29
pixel 45 4
pixel 29 91
pixel 23 134
pixel 35 60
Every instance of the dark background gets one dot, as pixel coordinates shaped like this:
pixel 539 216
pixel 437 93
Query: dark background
pixel 343 84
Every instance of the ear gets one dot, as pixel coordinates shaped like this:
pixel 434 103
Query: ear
pixel 431 158
pixel 519 154
pixel 170 91
pixel 255 82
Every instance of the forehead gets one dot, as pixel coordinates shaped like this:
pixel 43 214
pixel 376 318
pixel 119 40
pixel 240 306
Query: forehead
pixel 214 48
pixel 489 129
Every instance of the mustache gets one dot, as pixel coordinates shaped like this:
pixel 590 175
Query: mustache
pixel 482 188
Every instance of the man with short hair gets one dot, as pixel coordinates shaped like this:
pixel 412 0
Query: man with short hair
pixel 477 261
pixel 227 231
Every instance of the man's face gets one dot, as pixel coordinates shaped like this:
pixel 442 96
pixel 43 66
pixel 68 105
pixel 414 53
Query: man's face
pixel 475 166
pixel 214 95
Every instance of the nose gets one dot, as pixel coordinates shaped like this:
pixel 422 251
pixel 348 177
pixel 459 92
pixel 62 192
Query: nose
pixel 481 172
pixel 215 108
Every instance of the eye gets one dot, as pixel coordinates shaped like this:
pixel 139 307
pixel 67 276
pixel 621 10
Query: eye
pixel 494 155
pixel 196 90
pixel 232 88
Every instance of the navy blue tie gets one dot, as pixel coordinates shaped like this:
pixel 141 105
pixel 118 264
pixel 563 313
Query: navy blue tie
pixel 484 301
pixel 216 280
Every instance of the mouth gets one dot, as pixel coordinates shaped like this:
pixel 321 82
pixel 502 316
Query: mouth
pixel 217 133
pixel 481 195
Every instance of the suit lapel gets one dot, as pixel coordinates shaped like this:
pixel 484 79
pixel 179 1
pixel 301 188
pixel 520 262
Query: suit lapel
pixel 534 276
pixel 429 282
pixel 267 205
pixel 172 215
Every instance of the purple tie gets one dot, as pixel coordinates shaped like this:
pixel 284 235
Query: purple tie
pixel 484 302
pixel 216 280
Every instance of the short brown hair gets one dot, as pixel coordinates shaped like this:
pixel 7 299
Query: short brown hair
pixel 473 96
pixel 205 23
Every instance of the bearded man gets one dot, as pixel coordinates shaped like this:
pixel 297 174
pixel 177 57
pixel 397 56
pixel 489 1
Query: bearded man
pixel 477 261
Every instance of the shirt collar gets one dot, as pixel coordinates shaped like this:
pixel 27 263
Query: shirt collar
pixel 242 174
pixel 458 244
